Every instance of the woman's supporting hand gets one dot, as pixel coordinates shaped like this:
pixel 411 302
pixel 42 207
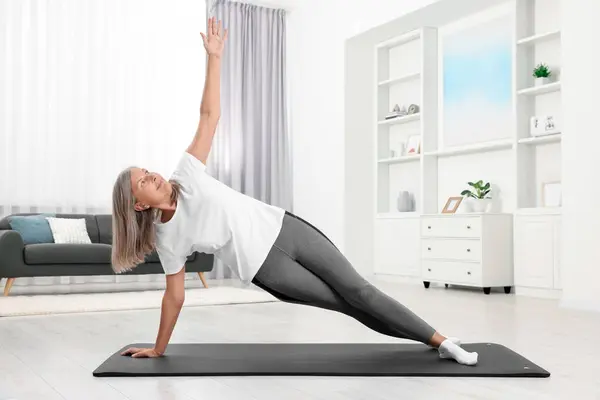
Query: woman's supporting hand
pixel 214 40
pixel 137 352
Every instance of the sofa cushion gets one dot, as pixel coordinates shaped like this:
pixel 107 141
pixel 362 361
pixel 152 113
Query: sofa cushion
pixel 32 228
pixel 69 230
pixel 67 253
pixel 90 222
pixel 104 222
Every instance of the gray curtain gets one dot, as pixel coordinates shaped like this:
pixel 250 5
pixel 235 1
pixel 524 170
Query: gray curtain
pixel 251 149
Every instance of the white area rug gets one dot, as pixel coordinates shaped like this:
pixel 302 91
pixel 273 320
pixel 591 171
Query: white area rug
pixel 115 301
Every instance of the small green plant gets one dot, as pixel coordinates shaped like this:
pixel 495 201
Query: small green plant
pixel 480 191
pixel 542 71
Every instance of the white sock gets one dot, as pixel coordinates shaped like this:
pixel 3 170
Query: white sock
pixel 449 349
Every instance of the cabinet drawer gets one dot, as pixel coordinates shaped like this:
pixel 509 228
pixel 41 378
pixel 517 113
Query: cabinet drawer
pixel 451 249
pixel 468 227
pixel 452 272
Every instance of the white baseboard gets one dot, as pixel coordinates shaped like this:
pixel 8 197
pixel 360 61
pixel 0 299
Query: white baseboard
pixel 555 294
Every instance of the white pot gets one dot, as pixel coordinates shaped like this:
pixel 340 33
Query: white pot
pixel 481 205
pixel 541 81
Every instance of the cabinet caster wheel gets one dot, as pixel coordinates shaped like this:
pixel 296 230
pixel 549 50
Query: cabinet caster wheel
pixel 446 285
pixel 487 290
pixel 426 284
pixel 507 289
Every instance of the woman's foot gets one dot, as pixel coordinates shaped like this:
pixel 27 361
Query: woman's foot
pixel 450 350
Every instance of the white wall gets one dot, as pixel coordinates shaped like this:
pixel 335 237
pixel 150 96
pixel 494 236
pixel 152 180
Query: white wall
pixel 581 193
pixel 317 31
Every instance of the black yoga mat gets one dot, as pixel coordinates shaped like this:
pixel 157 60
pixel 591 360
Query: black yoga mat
pixel 324 359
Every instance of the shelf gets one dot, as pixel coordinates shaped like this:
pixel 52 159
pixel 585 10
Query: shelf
pixel 541 139
pixel 539 211
pixel 550 87
pixel 398 160
pixel 400 79
pixel 400 40
pixel 401 120
pixel 473 148
pixel 542 37
pixel 398 215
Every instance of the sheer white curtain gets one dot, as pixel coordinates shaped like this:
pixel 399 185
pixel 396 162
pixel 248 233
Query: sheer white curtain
pixel 88 87
pixel 251 148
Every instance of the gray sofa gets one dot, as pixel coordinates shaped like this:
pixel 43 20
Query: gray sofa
pixel 57 259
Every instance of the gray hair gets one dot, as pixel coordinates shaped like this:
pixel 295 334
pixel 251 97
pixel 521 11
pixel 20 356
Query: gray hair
pixel 133 232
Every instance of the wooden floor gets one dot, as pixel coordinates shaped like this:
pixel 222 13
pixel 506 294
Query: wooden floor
pixel 52 357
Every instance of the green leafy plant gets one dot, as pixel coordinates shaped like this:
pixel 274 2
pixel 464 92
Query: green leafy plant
pixel 542 71
pixel 480 190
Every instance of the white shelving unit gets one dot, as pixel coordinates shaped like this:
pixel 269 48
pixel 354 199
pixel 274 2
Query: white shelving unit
pixel 538 41
pixel 406 74
pixel 539 38
pixel 537 229
pixel 535 90
pixel 541 139
pixel 401 120
pixel 400 79
pixel 403 159
pixel 473 148
pixel 408 71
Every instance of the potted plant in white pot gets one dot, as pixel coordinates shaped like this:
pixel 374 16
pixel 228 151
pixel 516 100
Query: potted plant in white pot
pixel 542 74
pixel 482 202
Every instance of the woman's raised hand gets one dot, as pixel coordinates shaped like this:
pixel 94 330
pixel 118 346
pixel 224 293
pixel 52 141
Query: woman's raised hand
pixel 214 39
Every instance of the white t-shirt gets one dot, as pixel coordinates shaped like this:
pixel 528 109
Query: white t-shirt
pixel 212 218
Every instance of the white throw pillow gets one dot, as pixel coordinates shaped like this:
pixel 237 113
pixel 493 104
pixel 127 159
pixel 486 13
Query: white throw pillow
pixel 69 230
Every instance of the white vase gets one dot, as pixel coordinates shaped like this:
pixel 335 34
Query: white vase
pixel 481 205
pixel 541 81
pixel 404 202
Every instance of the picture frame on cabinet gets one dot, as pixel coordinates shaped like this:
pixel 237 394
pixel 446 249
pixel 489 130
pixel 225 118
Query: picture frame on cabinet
pixel 551 194
pixel 543 125
pixel 413 144
pixel 452 205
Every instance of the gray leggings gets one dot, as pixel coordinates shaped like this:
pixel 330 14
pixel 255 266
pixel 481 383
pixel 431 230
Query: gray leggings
pixel 305 267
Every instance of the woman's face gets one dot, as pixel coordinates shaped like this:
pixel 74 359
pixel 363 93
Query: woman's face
pixel 149 189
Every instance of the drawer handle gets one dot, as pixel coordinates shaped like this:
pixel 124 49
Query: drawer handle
pixel 468 250
pixel 429 269
pixel 468 226
pixel 429 248
pixel 429 227
pixel 469 273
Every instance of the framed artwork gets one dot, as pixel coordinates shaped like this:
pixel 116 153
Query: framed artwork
pixel 452 205
pixel 413 145
pixel 476 78
pixel 551 194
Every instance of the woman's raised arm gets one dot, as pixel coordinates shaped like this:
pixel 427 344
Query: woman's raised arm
pixel 210 108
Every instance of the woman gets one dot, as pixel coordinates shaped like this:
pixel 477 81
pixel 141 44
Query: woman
pixel 262 244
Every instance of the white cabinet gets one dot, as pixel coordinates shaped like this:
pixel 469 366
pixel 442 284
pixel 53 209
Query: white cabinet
pixel 397 246
pixel 469 250
pixel 537 251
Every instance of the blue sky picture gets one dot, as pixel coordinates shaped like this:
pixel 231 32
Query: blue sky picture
pixel 487 73
pixel 477 82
